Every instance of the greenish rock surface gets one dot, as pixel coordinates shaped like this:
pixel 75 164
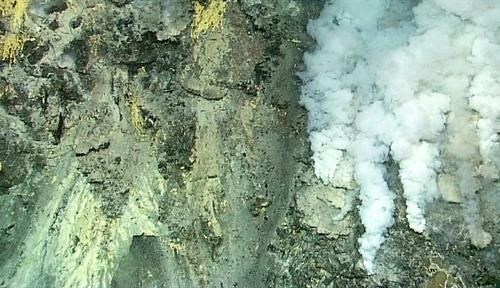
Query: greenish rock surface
pixel 162 144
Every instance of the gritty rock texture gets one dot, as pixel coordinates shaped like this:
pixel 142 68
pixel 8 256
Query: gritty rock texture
pixel 162 144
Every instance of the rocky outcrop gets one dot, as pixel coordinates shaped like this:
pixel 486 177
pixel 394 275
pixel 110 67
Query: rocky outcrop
pixel 162 144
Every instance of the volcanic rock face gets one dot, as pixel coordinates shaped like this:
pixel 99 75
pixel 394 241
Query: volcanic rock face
pixel 162 143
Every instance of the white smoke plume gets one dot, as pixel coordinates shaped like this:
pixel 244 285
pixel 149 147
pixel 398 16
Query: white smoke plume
pixel 415 81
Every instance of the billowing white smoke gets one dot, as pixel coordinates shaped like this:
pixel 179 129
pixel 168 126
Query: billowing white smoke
pixel 417 81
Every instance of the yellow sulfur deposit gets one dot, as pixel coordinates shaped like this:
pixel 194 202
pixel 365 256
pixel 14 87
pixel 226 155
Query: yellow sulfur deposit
pixel 16 9
pixel 207 17
pixel 12 42
pixel 135 113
